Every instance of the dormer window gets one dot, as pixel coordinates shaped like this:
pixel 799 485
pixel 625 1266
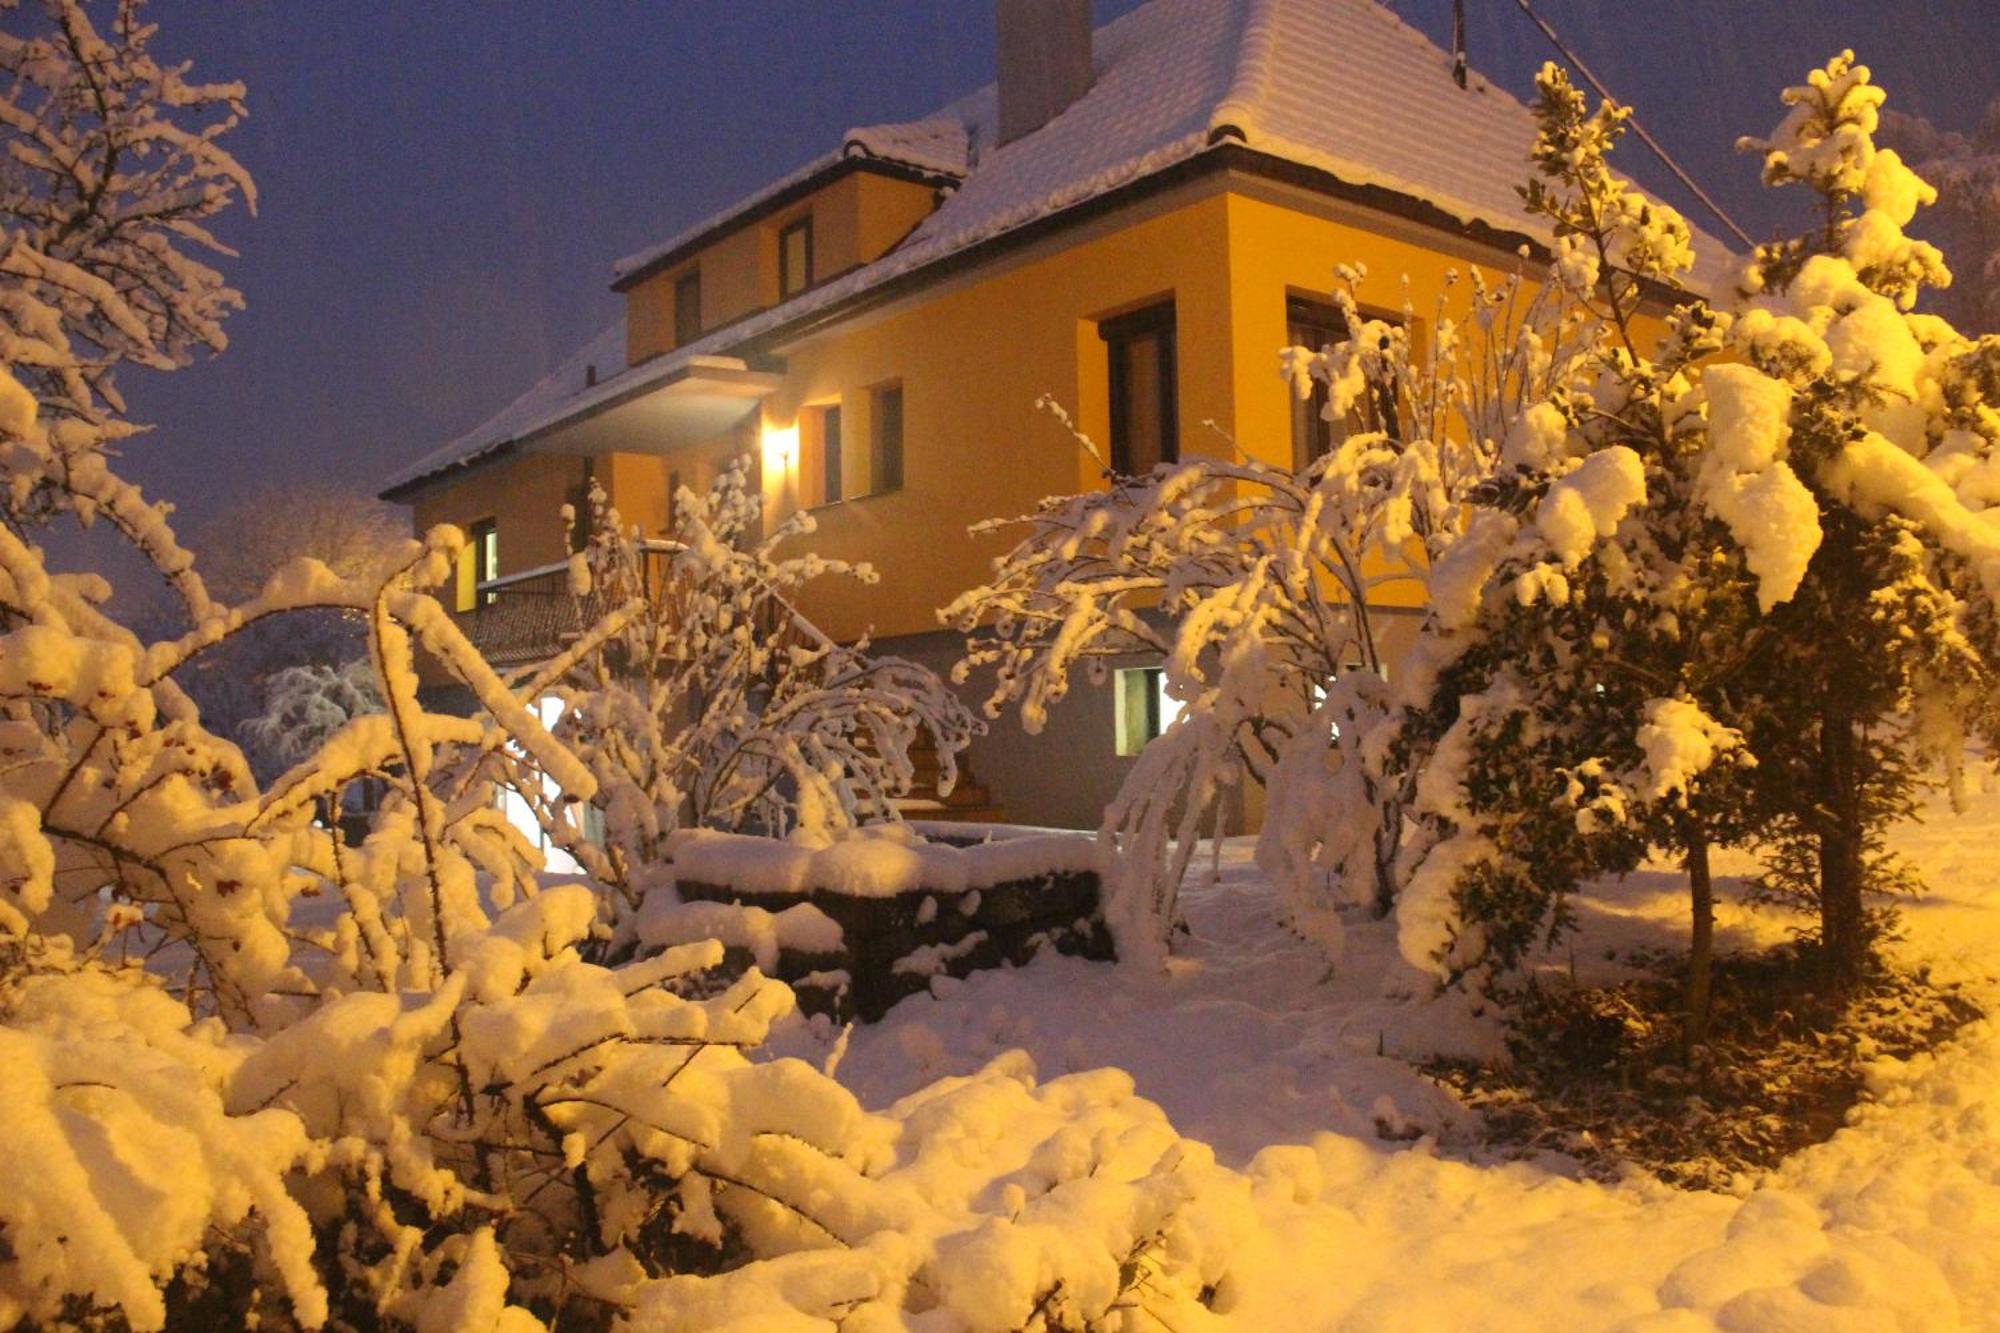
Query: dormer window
pixel 687 307
pixel 795 258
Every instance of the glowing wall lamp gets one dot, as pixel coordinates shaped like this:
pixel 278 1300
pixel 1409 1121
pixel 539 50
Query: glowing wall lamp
pixel 781 448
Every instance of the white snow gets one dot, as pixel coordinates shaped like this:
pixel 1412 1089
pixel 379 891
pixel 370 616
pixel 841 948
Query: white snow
pixel 874 861
pixel 1247 1044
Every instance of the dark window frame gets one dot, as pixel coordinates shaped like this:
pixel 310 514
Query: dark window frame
pixel 687 313
pixel 885 456
pixel 785 233
pixel 1302 311
pixel 1158 322
pixel 1303 308
pixel 830 461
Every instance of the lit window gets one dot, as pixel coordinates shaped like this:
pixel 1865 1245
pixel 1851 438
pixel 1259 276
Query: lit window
pixel 795 258
pixel 1143 707
pixel 687 307
pixel 885 454
pixel 1145 430
pixel 522 812
pixel 479 564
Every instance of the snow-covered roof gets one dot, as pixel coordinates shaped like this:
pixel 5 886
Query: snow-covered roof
pixel 1338 86
pixel 560 393
pixel 936 145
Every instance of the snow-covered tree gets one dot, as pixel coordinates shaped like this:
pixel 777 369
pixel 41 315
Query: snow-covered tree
pixel 1965 221
pixel 1571 723
pixel 1748 598
pixel 1887 657
pixel 717 703
pixel 115 167
pixel 305 705
pixel 263 675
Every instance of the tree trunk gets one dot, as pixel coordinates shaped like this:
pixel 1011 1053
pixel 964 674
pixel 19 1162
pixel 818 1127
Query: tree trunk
pixel 1701 943
pixel 1843 942
pixel 1388 841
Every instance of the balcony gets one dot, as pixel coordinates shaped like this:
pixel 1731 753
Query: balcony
pixel 531 615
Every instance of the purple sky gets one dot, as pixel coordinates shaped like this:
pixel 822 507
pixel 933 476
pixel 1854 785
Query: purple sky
pixel 445 185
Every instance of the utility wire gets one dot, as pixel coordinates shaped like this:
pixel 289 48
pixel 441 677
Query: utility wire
pixel 1639 129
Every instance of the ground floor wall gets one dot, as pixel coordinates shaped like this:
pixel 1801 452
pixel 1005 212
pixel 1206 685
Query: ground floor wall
pixel 1067 774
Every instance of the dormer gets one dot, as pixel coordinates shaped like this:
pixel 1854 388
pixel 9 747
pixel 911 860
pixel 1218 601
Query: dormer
pixel 828 218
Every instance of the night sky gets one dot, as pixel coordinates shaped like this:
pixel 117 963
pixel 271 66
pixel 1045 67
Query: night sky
pixel 445 185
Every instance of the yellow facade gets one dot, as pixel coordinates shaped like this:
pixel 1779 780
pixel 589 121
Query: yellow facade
pixel 972 355
pixel 856 218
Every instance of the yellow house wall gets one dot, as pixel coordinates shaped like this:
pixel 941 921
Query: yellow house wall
pixel 856 218
pixel 972 362
pixel 973 359
pixel 523 496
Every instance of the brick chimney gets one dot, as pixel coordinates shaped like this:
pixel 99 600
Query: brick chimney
pixel 1044 61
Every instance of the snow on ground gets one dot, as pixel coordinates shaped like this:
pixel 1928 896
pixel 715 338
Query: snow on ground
pixel 1250 1045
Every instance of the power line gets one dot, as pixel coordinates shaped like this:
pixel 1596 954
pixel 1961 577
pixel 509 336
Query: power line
pixel 1644 137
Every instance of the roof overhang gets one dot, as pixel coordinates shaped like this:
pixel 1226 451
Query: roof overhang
pixel 697 400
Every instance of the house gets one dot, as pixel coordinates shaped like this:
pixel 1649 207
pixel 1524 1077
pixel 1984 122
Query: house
pixel 1133 220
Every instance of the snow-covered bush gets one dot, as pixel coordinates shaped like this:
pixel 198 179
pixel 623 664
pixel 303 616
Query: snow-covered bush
pixel 280 671
pixel 715 702
pixel 304 705
pixel 262 1073
pixel 1259 587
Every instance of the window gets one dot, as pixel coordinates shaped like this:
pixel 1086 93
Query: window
pixel 795 258
pixel 1144 426
pixel 1315 325
pixel 687 307
pixel 1143 708
pixel 885 447
pixel 480 564
pixel 829 455
pixel 519 811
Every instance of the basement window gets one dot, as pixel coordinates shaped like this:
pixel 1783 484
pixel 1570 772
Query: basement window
pixel 1145 430
pixel 1143 708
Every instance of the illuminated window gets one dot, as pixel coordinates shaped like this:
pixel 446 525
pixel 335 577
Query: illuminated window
pixel 1143 709
pixel 480 564
pixel 523 812
pixel 1145 430
pixel 795 258
pixel 687 307
pixel 885 451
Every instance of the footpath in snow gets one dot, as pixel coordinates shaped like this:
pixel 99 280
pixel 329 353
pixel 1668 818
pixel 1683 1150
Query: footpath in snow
pixel 1373 1208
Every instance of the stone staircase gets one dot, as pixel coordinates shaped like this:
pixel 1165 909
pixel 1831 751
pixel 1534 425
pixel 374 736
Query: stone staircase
pixel 969 801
